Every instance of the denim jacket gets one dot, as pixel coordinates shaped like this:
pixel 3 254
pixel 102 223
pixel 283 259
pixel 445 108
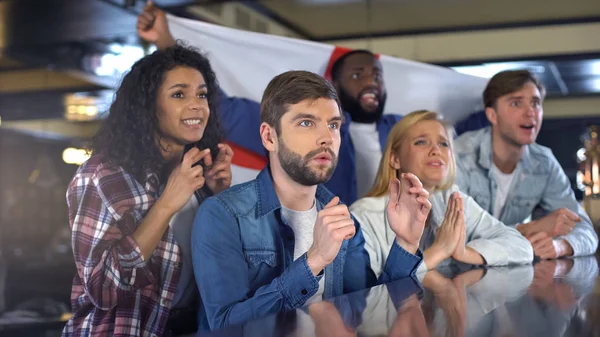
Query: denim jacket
pixel 539 180
pixel 242 253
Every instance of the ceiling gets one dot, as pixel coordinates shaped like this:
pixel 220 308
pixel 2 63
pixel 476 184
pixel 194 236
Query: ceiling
pixel 342 19
pixel 561 77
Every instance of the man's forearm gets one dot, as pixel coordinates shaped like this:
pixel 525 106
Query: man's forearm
pixel 527 229
pixel 165 43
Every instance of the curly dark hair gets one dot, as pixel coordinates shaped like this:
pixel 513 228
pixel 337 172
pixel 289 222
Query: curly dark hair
pixel 127 137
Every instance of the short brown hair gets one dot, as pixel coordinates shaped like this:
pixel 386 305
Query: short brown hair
pixel 289 88
pixel 508 81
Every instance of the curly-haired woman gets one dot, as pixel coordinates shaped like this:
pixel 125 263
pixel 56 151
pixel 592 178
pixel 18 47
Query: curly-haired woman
pixel 132 204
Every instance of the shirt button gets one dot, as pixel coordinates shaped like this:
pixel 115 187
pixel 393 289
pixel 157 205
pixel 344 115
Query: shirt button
pixel 164 302
pixel 304 292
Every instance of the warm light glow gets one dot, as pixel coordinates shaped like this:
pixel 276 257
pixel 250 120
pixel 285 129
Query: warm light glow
pixel 581 154
pixel 75 156
pixel 91 110
pixel 587 179
pixel 579 180
pixel 596 183
pixel 81 112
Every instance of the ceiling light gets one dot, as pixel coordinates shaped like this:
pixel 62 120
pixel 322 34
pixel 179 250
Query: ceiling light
pixel 487 70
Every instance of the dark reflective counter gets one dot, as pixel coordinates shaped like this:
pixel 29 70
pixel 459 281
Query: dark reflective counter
pixel 34 296
pixel 550 298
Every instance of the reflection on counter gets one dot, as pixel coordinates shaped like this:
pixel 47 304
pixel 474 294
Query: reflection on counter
pixel 550 298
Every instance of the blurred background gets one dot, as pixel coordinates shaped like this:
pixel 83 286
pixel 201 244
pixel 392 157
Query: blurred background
pixel 60 61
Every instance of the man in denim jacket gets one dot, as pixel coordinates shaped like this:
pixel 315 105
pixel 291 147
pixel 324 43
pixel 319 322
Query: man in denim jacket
pixel 276 242
pixel 508 174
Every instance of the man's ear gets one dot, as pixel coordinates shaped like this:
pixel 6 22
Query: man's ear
pixel 268 135
pixel 491 115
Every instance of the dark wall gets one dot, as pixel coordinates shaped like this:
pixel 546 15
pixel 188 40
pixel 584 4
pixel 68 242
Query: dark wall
pixel 33 181
pixel 563 136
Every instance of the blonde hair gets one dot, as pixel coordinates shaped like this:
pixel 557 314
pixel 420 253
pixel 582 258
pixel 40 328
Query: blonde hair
pixel 386 172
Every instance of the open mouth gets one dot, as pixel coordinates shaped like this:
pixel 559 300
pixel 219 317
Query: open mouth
pixel 527 126
pixel 369 98
pixel 435 163
pixel 322 158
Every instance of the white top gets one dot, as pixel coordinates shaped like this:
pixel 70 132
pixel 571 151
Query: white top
pixel 303 224
pixel 367 149
pixel 181 225
pixel 503 181
pixel 497 243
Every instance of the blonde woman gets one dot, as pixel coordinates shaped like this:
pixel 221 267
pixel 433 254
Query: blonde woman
pixel 457 227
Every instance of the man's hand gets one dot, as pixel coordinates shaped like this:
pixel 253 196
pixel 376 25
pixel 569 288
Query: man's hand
pixel 152 27
pixel 334 225
pixel 543 246
pixel 407 210
pixel 560 222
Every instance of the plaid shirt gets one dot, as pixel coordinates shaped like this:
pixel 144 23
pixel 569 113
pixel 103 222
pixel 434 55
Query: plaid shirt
pixel 116 292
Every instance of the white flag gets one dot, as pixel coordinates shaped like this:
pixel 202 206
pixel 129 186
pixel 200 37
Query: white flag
pixel 245 62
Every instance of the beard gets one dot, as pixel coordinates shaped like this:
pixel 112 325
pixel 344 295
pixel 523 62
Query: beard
pixel 357 113
pixel 297 167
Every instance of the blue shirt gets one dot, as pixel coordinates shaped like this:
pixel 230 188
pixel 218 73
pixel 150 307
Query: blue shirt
pixel 242 252
pixel 539 180
pixel 240 119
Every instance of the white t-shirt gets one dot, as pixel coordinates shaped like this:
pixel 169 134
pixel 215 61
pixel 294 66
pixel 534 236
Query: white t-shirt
pixel 367 149
pixel 503 182
pixel 181 225
pixel 303 224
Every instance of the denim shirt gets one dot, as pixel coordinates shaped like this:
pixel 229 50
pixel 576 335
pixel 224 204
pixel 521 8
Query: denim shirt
pixel 242 253
pixel 539 180
pixel 240 119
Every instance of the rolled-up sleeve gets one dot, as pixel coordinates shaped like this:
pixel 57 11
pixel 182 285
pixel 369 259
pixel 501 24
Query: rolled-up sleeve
pixel 559 194
pixel 104 210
